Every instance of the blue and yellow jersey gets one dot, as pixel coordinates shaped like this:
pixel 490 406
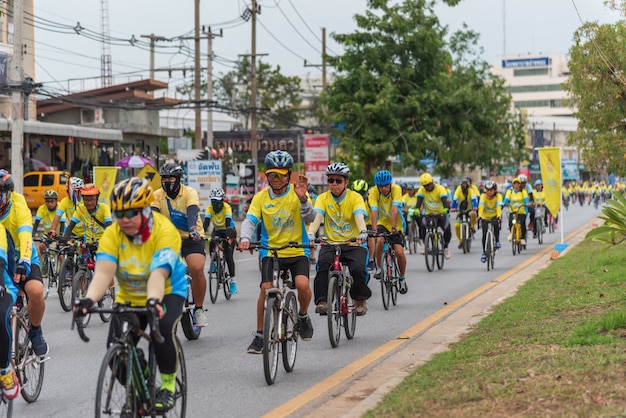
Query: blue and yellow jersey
pixel 176 209
pixel 19 224
pixel 432 200
pixel 4 254
pixel 517 200
pixel 66 208
pixel 382 204
pixel 136 262
pixel 471 198
pixel 281 221
pixel 45 217
pixel 490 208
pixel 409 201
pixel 539 197
pixel 91 227
pixel 221 220
pixel 339 223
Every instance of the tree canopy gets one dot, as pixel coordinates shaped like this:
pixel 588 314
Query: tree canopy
pixel 402 89
pixel 597 88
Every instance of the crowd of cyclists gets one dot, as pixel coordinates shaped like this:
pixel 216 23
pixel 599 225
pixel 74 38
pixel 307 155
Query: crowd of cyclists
pixel 148 240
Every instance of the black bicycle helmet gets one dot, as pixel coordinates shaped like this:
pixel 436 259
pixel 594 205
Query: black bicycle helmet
pixel 171 170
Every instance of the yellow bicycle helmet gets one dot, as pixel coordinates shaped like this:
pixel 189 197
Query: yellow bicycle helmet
pixel 132 193
pixel 425 179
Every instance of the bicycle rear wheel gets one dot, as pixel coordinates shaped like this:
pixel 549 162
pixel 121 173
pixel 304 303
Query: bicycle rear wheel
pixel 79 289
pixel 107 302
pixel 214 277
pixel 384 280
pixel 191 331
pixel 333 301
pixel 64 288
pixel 430 251
pixel 440 251
pixel 465 237
pixel 349 317
pixel 30 369
pixel 413 237
pixel 550 224
pixel 113 397
pixel 393 282
pixel 271 335
pixel 290 342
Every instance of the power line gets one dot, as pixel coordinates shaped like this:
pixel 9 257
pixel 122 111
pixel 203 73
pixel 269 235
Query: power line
pixel 296 29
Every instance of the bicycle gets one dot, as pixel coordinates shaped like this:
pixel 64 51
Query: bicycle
pixel 67 271
pixel 433 242
pixel 219 276
pixel 280 326
pixel 49 264
pixel 188 320
pixel 490 244
pixel 127 382
pixel 516 234
pixel 466 231
pixel 80 283
pixel 341 306
pixel 389 269
pixel 413 229
pixel 551 222
pixel 540 228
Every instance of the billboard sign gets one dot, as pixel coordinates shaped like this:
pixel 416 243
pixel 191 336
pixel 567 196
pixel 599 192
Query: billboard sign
pixel 315 158
pixel 204 175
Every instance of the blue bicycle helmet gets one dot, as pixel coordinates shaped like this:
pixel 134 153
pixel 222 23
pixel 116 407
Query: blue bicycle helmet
pixel 382 178
pixel 278 159
pixel 538 182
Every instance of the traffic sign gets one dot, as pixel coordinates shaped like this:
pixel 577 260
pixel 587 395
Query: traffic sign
pixel 152 175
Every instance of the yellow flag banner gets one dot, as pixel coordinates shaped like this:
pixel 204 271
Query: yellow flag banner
pixel 105 177
pixel 550 165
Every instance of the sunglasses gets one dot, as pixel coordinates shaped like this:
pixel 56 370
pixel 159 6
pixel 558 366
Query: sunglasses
pixel 337 180
pixel 128 213
pixel 276 175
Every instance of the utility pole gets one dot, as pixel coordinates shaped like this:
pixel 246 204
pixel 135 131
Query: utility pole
pixel 253 139
pixel 196 81
pixel 209 85
pixel 16 76
pixel 323 64
pixel 153 38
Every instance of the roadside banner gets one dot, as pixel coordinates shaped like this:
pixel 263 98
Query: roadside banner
pixel 550 165
pixel 204 176
pixel 105 178
pixel 315 158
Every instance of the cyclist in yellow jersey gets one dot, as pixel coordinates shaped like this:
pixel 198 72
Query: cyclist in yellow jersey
pixel 8 378
pixel 181 205
pixel 343 213
pixel 434 197
pixel 142 250
pixel 282 209
pixel 17 220
pixel 45 215
pixel 517 199
pixel 93 216
pixel 385 200
pixel 540 199
pixel 490 208
pixel 465 199
pixel 409 199
pixel 68 205
pixel 221 214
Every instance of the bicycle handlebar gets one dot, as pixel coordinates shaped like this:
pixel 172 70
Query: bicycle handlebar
pixel 120 310
pixel 292 244
pixel 324 241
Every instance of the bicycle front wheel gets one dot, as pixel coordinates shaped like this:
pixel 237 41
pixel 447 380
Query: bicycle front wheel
pixel 540 229
pixel 349 317
pixel 489 248
pixel 30 369
pixel 430 251
pixel 107 302
pixel 290 342
pixel 384 280
pixel 440 251
pixel 180 406
pixel 115 395
pixel 393 282
pixel 226 282
pixel 6 407
pixel 465 237
pixel 412 238
pixel 64 288
pixel 333 301
pixel 214 277
pixel 514 239
pixel 271 336
pixel 45 274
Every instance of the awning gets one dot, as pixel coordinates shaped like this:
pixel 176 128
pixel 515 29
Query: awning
pixel 61 129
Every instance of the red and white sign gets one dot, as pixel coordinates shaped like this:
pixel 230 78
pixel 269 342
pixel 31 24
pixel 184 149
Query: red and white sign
pixel 315 157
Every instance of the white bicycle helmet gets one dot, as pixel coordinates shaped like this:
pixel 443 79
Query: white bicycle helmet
pixel 339 169
pixel 216 194
pixel 76 183
pixel 522 178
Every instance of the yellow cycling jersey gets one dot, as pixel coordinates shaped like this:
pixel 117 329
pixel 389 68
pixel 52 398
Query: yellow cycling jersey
pixel 433 203
pixel 490 208
pixel 4 256
pixel 66 208
pixel 221 220
pixel 45 217
pixel 517 200
pixel 19 223
pixel 93 224
pixel 460 197
pixel 382 204
pixel 136 261
pixel 409 201
pixel 339 223
pixel 539 197
pixel 176 209
pixel 281 221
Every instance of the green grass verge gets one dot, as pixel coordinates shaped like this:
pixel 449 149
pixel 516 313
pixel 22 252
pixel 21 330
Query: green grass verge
pixel 556 348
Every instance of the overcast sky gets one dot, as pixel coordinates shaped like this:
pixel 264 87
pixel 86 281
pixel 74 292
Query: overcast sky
pixel 289 31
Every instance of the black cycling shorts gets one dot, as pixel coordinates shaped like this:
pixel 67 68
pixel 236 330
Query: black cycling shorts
pixel 397 239
pixel 193 247
pixel 298 266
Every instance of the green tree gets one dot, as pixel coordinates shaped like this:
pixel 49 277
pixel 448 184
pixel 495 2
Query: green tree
pixel 597 90
pixel 402 89
pixel 278 96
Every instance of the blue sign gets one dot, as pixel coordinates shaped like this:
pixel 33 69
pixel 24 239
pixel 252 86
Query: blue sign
pixel 526 62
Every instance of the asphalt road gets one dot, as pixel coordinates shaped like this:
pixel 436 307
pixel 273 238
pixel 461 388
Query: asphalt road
pixel 226 381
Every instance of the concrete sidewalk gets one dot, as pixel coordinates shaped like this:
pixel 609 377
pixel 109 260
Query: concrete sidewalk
pixel 368 385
